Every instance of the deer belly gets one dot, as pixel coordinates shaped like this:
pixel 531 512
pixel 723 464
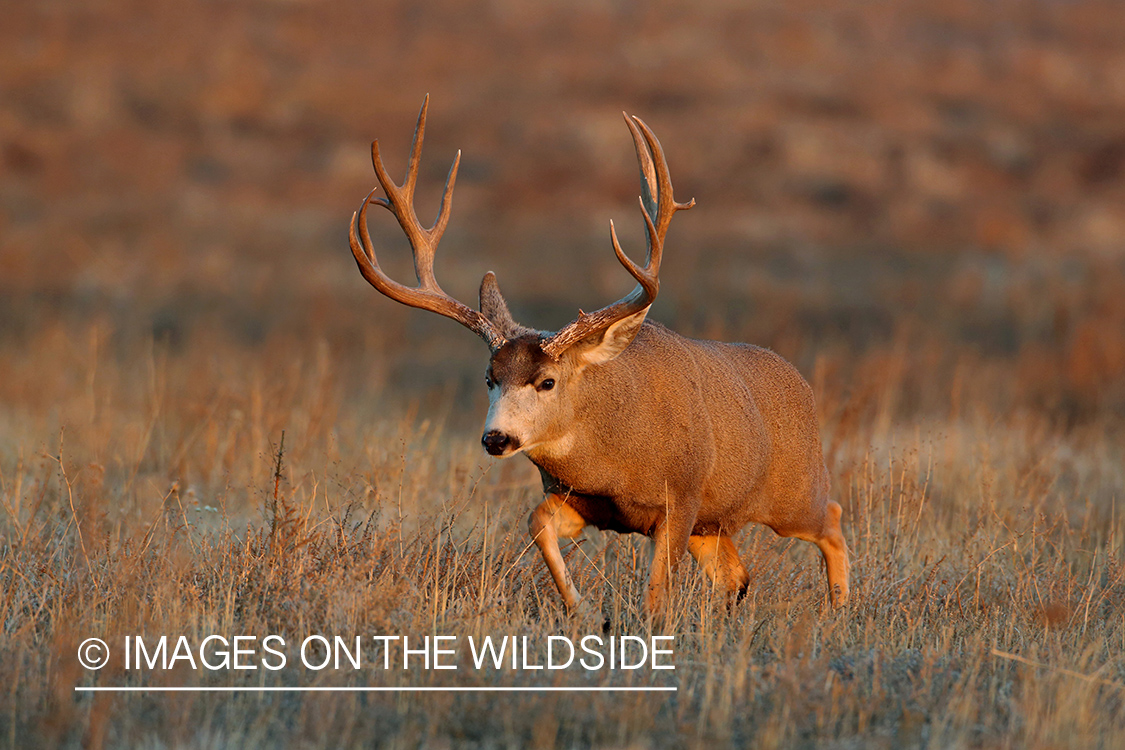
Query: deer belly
pixel 608 514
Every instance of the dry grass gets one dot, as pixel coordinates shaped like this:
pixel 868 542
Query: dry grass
pixel 986 607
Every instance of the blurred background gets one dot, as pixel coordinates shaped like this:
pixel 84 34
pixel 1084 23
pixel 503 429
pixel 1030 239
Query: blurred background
pixel 210 423
pixel 921 204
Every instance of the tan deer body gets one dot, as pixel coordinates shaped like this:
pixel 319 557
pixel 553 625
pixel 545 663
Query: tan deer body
pixel 635 428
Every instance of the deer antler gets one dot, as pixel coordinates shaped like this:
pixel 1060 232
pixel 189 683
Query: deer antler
pixel 428 295
pixel 657 207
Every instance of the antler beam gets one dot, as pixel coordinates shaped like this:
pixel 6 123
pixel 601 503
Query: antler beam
pixel 657 207
pixel 399 200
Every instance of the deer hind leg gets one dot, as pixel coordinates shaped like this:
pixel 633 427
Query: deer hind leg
pixel 719 559
pixel 835 551
pixel 830 539
pixel 549 522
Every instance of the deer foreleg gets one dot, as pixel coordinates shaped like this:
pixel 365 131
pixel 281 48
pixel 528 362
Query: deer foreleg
pixel 549 522
pixel 671 543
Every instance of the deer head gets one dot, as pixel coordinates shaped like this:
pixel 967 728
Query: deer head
pixel 533 376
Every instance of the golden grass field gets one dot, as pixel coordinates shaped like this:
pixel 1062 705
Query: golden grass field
pixel 922 208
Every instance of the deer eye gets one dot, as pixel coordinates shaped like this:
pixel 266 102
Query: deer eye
pixel 547 384
pixel 488 382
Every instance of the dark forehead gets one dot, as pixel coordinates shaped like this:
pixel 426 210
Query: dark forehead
pixel 519 360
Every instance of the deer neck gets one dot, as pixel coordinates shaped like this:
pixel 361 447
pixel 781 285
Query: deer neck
pixel 555 451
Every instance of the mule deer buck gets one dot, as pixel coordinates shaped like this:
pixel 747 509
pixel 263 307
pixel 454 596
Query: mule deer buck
pixel 633 427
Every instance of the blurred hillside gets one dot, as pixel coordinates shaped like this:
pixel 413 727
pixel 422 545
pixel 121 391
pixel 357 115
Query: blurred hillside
pixel 945 179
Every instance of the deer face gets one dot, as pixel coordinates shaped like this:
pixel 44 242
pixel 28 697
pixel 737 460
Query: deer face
pixel 532 395
pixel 527 397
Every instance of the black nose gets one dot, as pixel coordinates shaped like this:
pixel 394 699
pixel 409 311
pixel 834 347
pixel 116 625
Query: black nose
pixel 495 442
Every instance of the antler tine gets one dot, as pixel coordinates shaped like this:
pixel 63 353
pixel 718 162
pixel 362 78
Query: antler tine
pixel 657 207
pixel 649 189
pixel 399 200
pixel 665 204
pixel 416 151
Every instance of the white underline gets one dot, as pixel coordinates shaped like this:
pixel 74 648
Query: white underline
pixel 381 689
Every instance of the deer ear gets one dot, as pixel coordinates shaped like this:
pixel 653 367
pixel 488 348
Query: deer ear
pixel 493 307
pixel 605 345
